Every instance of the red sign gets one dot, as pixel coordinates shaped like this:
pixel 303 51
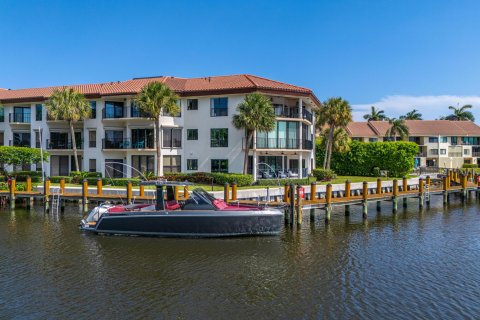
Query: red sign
pixel 302 193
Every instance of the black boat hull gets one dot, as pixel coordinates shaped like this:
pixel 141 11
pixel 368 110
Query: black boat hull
pixel 192 224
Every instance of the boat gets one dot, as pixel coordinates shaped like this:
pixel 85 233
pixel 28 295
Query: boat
pixel 200 215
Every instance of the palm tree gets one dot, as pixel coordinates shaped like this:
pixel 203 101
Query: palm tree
pixel 460 114
pixel 156 99
pixel 412 115
pixel 375 115
pixel 341 139
pixel 71 106
pixel 335 113
pixel 255 113
pixel 398 127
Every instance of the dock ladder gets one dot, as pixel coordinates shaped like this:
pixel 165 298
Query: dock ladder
pixel 55 199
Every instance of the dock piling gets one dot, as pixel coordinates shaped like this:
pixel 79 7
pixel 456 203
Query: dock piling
pixel 226 191
pixel 130 192
pixel 12 193
pixel 299 205
pixel 85 195
pixel 365 200
pixel 328 200
pixel 395 195
pixel 99 186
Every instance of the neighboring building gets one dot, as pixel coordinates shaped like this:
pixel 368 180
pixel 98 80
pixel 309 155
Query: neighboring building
pixel 442 143
pixel 200 138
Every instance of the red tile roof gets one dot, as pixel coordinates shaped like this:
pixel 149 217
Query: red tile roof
pixel 416 128
pixel 184 87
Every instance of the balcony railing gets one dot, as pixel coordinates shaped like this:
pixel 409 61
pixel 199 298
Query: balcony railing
pixel 307 145
pixel 127 144
pixel 475 154
pixel 19 117
pixel 307 115
pixel 135 112
pixel 422 154
pixel 60 144
pixel 292 112
pixel 116 113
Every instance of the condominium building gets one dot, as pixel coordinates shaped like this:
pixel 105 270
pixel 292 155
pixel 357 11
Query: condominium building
pixel 443 143
pixel 118 140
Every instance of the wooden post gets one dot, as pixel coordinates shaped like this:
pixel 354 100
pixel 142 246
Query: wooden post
pixel 141 191
pixel 29 184
pixel 291 197
pixel 445 190
pixel 421 196
pixel 365 200
pixel 404 184
pixel 85 195
pixel 395 195
pixel 99 186
pixel 186 195
pixel 347 189
pixel 328 200
pixel 12 193
pixel 429 181
pixel 464 181
pixel 299 205
pixel 285 193
pixel 469 176
pixel 62 185
pixel 129 192
pixel 379 186
pixel 226 191
pixel 313 191
pixel 46 193
pixel 175 193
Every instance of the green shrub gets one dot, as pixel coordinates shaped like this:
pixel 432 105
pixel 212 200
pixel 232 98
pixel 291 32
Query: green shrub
pixel 469 165
pixel 324 174
pixel 395 157
pixel 56 179
pixel 27 173
pixel 18 186
pixel 241 180
pixel 282 182
pixel 122 182
pixel 92 181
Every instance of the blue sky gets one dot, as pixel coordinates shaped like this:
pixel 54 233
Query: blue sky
pixel 394 54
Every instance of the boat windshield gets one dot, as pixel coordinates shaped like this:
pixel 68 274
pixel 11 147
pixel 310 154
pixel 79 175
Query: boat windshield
pixel 200 196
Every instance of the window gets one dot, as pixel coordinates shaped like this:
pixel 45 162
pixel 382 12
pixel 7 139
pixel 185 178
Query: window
pixel 453 140
pixel 443 139
pixel 172 138
pixel 142 164
pixel 2 114
pixel 372 139
pixel 113 110
pixel 142 139
pixel 92 165
pixel 192 134
pixel 21 114
pixel 38 112
pixel 1 138
pixel 466 152
pixel 37 139
pixel 284 136
pixel 93 106
pixel 432 139
pixel 434 152
pixel 443 151
pixel 92 139
pixel 218 138
pixel 219 165
pixel 172 163
pixel 218 107
pixel 114 140
pixel 21 139
pixel 192 164
pixel 470 140
pixel 353 139
pixel 113 168
pixel 192 104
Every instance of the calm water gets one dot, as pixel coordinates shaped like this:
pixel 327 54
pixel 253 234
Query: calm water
pixel 409 265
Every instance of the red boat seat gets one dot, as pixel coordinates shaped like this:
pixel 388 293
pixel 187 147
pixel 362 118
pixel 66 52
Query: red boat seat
pixel 172 205
pixel 116 209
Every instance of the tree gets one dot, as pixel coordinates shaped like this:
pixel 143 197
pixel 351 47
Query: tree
pixel 71 106
pixel 398 127
pixel 255 113
pixel 335 113
pixel 156 99
pixel 412 115
pixel 19 156
pixel 375 115
pixel 460 114
pixel 341 140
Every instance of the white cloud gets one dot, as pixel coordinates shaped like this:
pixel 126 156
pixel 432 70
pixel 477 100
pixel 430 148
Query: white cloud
pixel 431 107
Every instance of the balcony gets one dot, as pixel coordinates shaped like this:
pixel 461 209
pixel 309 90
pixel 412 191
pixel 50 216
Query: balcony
pixel 124 144
pixel 476 154
pixel 307 115
pixel 59 144
pixel 19 117
pixel 267 143
pixel 422 154
pixel 135 112
pixel 455 154
pixel 117 113
pixel 292 112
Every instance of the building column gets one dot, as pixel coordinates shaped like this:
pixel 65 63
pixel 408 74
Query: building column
pixel 300 126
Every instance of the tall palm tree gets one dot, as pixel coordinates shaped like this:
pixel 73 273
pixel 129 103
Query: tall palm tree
pixel 255 113
pixel 398 127
pixel 375 115
pixel 71 106
pixel 461 113
pixel 412 115
pixel 335 113
pixel 156 99
pixel 341 139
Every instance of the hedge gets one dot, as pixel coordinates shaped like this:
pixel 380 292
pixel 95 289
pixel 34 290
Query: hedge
pixel 121 182
pixel 241 180
pixel 56 179
pixel 206 178
pixel 469 165
pixel 324 174
pixel 395 157
pixel 18 186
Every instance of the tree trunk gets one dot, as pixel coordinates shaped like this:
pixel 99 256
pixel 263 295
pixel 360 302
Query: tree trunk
pixel 247 150
pixel 330 146
pixel 74 145
pixel 326 152
pixel 159 148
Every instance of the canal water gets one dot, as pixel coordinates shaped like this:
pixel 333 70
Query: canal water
pixel 415 264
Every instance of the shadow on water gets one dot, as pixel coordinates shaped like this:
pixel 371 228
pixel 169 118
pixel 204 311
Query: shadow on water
pixel 415 263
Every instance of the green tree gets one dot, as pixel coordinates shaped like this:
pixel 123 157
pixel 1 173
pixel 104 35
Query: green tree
pixel 460 114
pixel 255 113
pixel 19 156
pixel 156 99
pixel 375 115
pixel 341 140
pixel 335 113
pixel 398 127
pixel 71 106
pixel 412 115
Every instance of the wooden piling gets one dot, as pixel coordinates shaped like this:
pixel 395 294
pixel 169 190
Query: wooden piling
pixel 445 190
pixel 46 193
pixel 299 205
pixel 404 184
pixel 12 193
pixel 291 197
pixel 186 194
pixel 286 192
pixel 365 200
pixel 29 184
pixel 328 200
pixel 176 191
pixel 62 185
pixel 379 186
pixel 141 191
pixel 464 181
pixel 85 195
pixel 99 186
pixel 421 195
pixel 130 192
pixel 226 191
pixel 347 189
pixel 395 195
pixel 313 191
